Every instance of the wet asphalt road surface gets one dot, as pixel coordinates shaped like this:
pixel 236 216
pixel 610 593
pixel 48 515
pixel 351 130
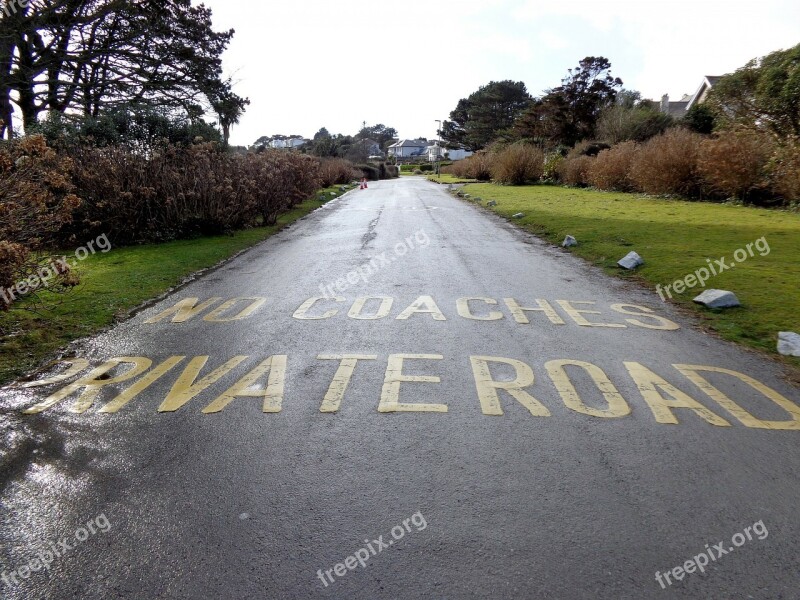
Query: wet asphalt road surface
pixel 265 441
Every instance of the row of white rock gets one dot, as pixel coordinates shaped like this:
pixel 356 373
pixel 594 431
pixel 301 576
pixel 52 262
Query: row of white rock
pixel 788 341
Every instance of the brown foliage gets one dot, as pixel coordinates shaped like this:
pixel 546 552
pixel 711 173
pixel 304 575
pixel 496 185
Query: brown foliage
pixel 183 192
pixel 785 170
pixel 734 162
pixel 609 171
pixel 36 192
pixel 517 164
pixel 478 166
pixel 36 200
pixel 667 164
pixel 333 171
pixel 574 170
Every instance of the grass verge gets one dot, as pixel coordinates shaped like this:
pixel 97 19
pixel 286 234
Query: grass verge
pixel 114 283
pixel 675 238
pixel 446 178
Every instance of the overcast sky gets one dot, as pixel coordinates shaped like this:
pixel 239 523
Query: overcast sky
pixel 306 64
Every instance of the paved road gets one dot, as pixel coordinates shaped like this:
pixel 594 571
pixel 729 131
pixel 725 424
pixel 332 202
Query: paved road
pixel 449 422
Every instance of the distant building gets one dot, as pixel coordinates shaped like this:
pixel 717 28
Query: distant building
pixel 289 143
pixel 371 147
pixel 408 149
pixel 457 154
pixel 678 108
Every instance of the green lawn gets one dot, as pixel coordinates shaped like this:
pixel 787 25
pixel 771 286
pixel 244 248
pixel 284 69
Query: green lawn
pixel 675 238
pixel 445 178
pixel 114 283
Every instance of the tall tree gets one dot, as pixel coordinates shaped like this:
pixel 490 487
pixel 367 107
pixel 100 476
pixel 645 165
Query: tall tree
pixel 380 133
pixel 631 118
pixel 87 56
pixel 486 114
pixel 763 94
pixel 229 108
pixel 569 113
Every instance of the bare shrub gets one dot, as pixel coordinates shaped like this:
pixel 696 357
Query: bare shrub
pixel 734 163
pixel 36 200
pixel 183 192
pixel 36 192
pixel 334 171
pixel 785 170
pixel 478 166
pixel 667 163
pixel 609 171
pixel 575 170
pixel 517 164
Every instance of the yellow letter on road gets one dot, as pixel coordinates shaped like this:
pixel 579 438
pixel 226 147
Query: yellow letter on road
pixel 691 372
pixel 487 387
pixel 651 385
pixel 390 395
pixel 246 387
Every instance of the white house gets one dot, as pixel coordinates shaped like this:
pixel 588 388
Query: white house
pixel 408 149
pixel 437 152
pixel 458 154
pixel 294 142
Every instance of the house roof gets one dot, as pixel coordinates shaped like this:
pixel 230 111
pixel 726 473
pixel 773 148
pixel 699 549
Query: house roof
pixel 709 81
pixel 678 109
pixel 409 144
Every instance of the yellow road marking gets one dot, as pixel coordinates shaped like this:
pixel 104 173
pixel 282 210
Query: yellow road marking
pixel 577 314
pixel 93 384
pixel 184 310
pixel 617 407
pixel 390 394
pixel 215 316
pixel 462 306
pixel 691 373
pixel 145 382
pixel 662 323
pixel 187 387
pixel 651 387
pixel 487 387
pixel 520 317
pixel 335 394
pixel 302 312
pixel 356 311
pixel 423 305
pixel 76 365
pixel 246 387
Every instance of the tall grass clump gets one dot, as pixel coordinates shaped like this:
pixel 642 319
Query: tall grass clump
pixel 610 170
pixel 517 164
pixel 667 164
